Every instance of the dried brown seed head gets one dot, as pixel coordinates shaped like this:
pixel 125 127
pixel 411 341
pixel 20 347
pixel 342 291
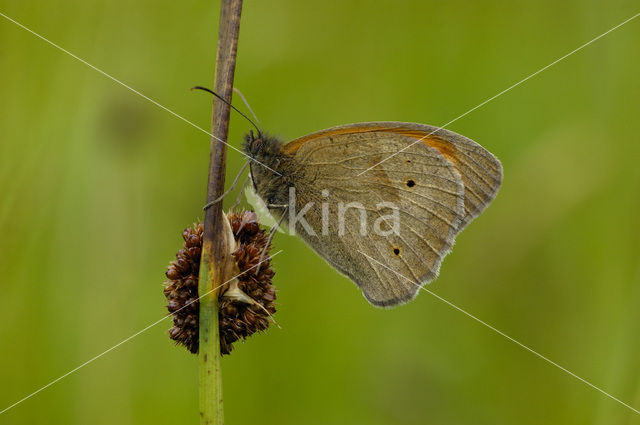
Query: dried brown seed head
pixel 242 312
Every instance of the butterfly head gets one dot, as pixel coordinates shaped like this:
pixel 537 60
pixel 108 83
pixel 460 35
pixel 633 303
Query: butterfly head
pixel 268 166
pixel 264 149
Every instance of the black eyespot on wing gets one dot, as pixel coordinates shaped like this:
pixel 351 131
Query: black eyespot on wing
pixel 396 251
pixel 411 183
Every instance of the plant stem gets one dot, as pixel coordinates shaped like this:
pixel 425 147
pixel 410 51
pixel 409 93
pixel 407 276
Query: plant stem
pixel 216 263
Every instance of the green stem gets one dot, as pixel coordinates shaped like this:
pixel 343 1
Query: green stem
pixel 211 406
pixel 216 263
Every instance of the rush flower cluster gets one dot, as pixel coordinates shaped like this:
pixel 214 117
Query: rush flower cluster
pixel 246 304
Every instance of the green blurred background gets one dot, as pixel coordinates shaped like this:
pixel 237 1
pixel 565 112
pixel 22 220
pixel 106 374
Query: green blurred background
pixel 96 185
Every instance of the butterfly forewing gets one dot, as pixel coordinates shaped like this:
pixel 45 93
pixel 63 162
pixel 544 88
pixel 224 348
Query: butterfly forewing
pixel 481 172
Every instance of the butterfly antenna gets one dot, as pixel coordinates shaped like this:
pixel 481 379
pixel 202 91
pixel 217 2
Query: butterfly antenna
pixel 244 100
pixel 228 103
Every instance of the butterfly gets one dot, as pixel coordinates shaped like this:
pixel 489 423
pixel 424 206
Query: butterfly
pixel 381 202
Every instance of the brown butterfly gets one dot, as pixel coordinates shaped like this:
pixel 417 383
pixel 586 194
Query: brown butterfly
pixel 382 202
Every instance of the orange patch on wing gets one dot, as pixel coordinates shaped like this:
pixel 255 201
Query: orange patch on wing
pixel 447 149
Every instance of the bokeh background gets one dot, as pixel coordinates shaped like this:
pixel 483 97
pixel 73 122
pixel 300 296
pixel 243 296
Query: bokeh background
pixel 96 185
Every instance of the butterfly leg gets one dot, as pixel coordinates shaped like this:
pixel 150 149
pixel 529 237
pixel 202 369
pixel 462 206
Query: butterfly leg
pixel 231 188
pixel 242 188
pixel 273 231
